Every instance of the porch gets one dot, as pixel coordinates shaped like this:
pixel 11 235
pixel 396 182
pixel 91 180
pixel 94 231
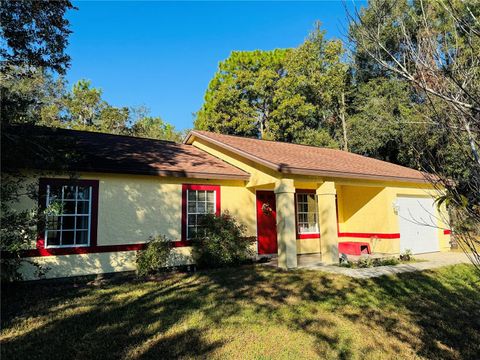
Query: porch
pixel 301 223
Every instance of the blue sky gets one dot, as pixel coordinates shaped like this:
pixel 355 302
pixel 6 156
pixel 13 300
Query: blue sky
pixel 163 54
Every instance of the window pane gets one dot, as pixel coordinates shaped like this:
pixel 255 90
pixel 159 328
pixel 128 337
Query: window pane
pixel 210 208
pixel 201 207
pixel 192 195
pixel 192 207
pixel 211 196
pixel 311 201
pixel 67 237
pixel 83 207
pixel 55 193
pixel 53 223
pixel 200 219
pixel 303 207
pixel 53 238
pixel 83 193
pixel 69 207
pixel 191 232
pixel 68 222
pixel 82 237
pixel 82 222
pixel 69 192
pixel 201 196
pixel 192 219
pixel 302 197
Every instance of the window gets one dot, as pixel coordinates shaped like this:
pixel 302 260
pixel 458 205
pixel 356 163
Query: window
pixel 307 219
pixel 69 217
pixel 199 201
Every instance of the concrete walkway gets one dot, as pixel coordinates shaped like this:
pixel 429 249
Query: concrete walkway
pixel 429 261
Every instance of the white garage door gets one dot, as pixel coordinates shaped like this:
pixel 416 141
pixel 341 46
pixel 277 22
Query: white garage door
pixel 418 231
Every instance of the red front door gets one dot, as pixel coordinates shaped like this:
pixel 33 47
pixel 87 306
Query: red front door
pixel 266 222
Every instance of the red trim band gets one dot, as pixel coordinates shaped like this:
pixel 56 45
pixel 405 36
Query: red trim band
pixel 447 232
pixel 91 249
pixel 308 236
pixel 369 235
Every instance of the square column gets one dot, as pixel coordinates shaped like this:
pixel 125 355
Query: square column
pixel 327 214
pixel 286 232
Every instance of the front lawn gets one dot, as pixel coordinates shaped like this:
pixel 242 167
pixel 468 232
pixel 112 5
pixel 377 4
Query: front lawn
pixel 250 312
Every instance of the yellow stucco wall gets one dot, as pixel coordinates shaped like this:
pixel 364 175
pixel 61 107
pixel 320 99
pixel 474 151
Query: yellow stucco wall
pixel 369 209
pixel 308 246
pixel 259 175
pixel 130 209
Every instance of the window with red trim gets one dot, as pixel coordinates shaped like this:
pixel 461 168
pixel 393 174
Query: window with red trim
pixel 198 200
pixel 306 213
pixel 70 213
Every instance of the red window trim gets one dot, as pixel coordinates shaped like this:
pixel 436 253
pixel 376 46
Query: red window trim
pixel 185 187
pixel 304 236
pixel 41 250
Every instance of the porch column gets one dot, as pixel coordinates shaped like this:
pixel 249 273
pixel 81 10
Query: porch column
pixel 286 234
pixel 327 214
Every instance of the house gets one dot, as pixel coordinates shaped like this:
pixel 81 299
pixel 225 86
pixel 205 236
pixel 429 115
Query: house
pixel 295 199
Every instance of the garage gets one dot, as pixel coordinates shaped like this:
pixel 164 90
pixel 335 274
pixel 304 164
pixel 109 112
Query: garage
pixel 418 224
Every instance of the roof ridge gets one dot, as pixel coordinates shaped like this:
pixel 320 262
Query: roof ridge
pixel 276 141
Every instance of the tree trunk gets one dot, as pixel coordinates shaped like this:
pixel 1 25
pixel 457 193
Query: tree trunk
pixel 344 124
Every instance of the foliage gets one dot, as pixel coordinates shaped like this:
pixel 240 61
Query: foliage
pixel 154 257
pixel 222 242
pixel 368 261
pixel 406 255
pixel 285 94
pixel 434 47
pixel 18 229
pixel 35 34
pixel 156 128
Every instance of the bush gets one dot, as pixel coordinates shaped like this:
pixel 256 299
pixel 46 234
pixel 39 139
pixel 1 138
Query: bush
pixel 154 257
pixel 406 256
pixel 222 242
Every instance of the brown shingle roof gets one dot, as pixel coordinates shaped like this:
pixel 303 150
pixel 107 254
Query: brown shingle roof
pixel 99 152
pixel 310 160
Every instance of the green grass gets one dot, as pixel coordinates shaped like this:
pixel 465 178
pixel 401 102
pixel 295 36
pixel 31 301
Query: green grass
pixel 249 312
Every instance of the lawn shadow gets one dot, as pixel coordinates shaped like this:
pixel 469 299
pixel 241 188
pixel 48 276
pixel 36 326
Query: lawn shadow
pixel 436 314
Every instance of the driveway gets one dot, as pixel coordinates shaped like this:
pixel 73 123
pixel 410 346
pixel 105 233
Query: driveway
pixel 427 261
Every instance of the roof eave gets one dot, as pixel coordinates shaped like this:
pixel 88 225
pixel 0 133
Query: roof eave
pixel 348 175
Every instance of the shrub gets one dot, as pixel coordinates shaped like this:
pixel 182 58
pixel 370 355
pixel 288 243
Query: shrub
pixel 364 262
pixel 406 256
pixel 389 261
pixel 221 242
pixel 154 257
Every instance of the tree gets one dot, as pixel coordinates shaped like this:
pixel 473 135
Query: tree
pixel 35 34
pixel 435 48
pixel 317 72
pixel 156 128
pixel 285 94
pixel 34 37
pixel 241 97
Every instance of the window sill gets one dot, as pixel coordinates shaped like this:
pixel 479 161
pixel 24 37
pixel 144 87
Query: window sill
pixel 308 236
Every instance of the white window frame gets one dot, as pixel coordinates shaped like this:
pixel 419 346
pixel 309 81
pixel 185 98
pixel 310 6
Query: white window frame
pixel 298 212
pixel 61 216
pixel 197 213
